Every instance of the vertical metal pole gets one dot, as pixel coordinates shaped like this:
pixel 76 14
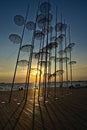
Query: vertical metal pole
pixel 31 53
pixel 38 69
pixel 18 55
pixel 70 58
pixel 41 68
pixel 55 57
pixel 61 57
pixel 45 70
pixel 66 59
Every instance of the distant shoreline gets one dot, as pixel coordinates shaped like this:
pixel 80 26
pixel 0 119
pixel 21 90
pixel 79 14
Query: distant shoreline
pixel 50 82
pixel 21 86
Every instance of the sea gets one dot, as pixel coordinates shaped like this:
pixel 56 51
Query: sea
pixel 19 86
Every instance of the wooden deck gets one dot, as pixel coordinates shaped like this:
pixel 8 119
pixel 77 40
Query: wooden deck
pixel 68 112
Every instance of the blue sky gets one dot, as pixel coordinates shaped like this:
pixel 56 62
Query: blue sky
pixel 73 11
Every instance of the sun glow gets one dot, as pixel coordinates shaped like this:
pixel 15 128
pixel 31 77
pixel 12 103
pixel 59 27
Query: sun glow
pixel 34 72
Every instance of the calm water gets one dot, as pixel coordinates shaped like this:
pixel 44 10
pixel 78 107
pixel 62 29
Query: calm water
pixel 7 86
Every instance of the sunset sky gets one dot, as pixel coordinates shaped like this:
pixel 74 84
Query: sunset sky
pixel 74 12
